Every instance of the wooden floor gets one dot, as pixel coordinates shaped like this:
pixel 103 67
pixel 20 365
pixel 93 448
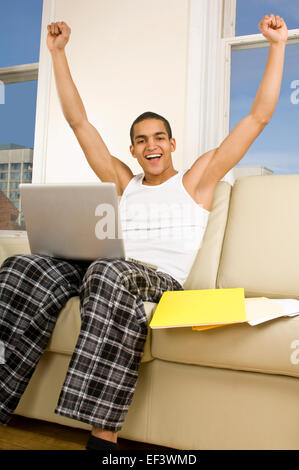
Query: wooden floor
pixel 31 434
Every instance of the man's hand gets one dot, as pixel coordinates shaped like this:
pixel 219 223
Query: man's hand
pixel 274 28
pixel 58 35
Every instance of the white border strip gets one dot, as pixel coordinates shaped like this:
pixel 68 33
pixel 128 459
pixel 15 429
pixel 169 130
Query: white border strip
pixel 43 96
pixel 229 18
pixel 13 234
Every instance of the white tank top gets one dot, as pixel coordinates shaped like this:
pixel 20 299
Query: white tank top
pixel 162 225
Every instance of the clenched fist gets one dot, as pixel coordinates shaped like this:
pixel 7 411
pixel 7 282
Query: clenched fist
pixel 274 28
pixel 58 35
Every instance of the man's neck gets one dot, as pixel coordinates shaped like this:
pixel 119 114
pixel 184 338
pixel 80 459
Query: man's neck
pixel 154 180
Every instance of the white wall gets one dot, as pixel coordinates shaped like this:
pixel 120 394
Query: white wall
pixel 125 57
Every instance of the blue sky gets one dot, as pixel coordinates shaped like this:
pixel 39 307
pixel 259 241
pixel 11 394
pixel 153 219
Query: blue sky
pixel 20 29
pixel 276 148
pixel 250 12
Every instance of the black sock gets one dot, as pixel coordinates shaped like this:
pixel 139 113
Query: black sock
pixel 96 443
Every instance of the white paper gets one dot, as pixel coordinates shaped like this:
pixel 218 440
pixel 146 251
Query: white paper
pixel 262 320
pixel 290 306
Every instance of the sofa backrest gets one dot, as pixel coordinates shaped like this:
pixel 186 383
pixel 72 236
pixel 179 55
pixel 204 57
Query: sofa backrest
pixel 15 245
pixel 205 267
pixel 261 243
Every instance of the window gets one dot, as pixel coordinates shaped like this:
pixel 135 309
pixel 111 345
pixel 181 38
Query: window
pixel 20 34
pixel 27 166
pixel 275 151
pixel 15 166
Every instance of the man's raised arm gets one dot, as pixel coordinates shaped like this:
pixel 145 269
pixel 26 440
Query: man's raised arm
pixel 237 143
pixel 106 167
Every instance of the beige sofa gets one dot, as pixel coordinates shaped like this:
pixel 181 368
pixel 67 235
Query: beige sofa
pixel 234 387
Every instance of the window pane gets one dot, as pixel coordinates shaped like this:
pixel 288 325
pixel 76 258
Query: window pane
pixel 249 14
pixel 27 166
pixel 20 30
pixel 17 117
pixel 20 33
pixel 276 148
pixel 17 114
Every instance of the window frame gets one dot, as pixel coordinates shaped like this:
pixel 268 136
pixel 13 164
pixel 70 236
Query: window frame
pixel 251 41
pixel 40 71
pixel 207 121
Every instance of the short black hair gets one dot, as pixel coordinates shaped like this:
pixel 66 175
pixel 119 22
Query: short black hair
pixel 150 115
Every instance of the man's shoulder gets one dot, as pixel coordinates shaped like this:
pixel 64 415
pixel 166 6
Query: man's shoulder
pixel 132 180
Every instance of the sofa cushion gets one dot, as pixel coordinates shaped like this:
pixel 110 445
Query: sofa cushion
pixel 67 328
pixel 260 248
pixel 203 273
pixel 271 347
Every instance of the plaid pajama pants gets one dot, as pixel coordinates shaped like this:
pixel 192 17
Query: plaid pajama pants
pixel 102 374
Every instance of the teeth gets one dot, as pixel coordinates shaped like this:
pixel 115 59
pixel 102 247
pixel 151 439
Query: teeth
pixel 153 156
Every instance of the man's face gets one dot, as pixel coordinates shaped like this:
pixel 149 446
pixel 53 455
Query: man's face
pixel 150 139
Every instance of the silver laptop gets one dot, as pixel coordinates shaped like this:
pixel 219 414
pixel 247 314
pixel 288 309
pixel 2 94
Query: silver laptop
pixel 77 221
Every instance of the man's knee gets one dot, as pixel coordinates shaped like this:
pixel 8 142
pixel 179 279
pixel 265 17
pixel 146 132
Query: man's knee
pixel 16 259
pixel 114 269
pixel 36 266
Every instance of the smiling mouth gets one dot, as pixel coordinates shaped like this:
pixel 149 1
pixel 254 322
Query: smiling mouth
pixel 154 157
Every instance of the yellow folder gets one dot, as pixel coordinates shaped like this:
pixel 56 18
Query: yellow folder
pixel 204 308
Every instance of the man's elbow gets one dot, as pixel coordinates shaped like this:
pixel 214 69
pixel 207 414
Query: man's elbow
pixel 77 124
pixel 261 120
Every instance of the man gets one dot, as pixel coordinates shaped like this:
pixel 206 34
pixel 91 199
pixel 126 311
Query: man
pixel 102 374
